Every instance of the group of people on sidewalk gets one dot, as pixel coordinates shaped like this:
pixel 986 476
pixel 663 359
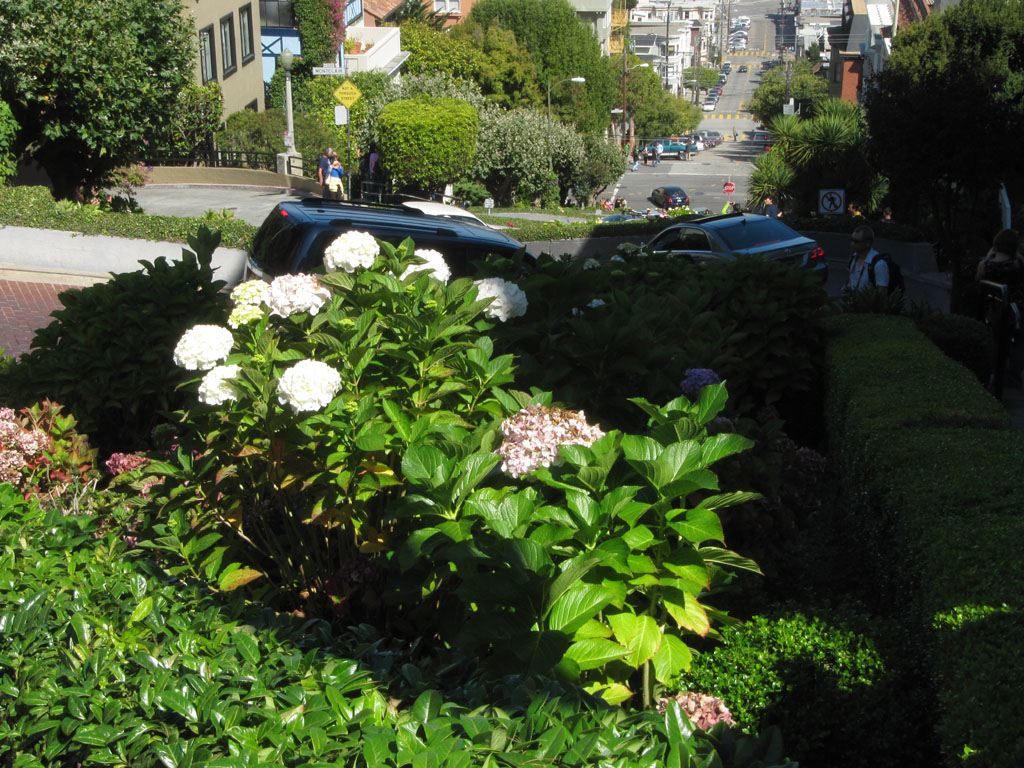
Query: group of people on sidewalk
pixel 329 173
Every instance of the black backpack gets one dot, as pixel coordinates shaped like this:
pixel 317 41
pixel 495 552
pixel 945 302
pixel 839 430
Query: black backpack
pixel 895 273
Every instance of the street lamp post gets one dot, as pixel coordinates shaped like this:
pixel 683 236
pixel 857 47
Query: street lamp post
pixel 284 160
pixel 555 85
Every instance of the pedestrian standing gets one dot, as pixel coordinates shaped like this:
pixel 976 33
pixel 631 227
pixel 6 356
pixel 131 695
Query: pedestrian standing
pixel 658 149
pixel 335 187
pixel 771 210
pixel 636 158
pixel 323 170
pixel 866 269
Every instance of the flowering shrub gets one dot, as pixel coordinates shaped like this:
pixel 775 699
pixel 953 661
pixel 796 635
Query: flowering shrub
pixel 40 451
pixel 291 294
pixel 202 347
pixel 351 459
pixel 434 264
pixel 696 379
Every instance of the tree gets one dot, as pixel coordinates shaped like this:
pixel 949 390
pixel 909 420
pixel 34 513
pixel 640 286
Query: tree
pixel 508 75
pixel 8 131
pixel 89 83
pixel 657 112
pixel 562 47
pixel 415 11
pixel 827 150
pixel 320 24
pixel 434 51
pixel 427 142
pixel 806 88
pixel 196 117
pixel 960 74
pixel 249 131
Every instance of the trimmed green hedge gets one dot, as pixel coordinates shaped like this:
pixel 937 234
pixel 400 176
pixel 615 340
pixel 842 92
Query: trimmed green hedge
pixel 929 469
pixel 35 207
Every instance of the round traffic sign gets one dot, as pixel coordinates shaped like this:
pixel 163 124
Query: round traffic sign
pixel 729 188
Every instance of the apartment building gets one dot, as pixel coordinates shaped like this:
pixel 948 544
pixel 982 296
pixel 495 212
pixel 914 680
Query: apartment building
pixel 229 50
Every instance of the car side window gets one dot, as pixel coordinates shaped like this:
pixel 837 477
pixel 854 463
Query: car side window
pixel 691 239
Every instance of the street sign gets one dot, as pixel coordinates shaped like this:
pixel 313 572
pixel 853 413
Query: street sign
pixel 347 93
pixel 489 203
pixel 341 115
pixel 328 70
pixel 831 200
pixel 729 188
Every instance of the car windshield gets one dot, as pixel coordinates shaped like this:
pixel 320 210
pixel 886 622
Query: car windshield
pixel 754 233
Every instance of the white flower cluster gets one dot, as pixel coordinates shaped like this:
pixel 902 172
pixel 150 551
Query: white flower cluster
pixel 216 387
pixel 202 347
pixel 533 435
pixel 290 294
pixel 350 250
pixel 249 298
pixel 308 385
pixel 436 266
pixel 509 299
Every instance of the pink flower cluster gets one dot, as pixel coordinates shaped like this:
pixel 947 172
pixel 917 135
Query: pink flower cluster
pixel 119 463
pixel 533 435
pixel 703 710
pixel 19 447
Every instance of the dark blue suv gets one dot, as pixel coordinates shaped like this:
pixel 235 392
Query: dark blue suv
pixel 294 235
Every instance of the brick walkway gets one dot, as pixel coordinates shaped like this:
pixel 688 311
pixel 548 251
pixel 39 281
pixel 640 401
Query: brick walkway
pixel 25 307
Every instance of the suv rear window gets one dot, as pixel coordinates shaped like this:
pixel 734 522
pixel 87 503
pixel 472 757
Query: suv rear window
pixel 275 244
pixel 753 233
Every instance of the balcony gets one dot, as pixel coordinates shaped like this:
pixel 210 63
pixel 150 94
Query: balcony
pixel 374 49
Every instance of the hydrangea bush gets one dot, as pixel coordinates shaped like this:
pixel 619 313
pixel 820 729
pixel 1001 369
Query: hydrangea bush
pixel 352 453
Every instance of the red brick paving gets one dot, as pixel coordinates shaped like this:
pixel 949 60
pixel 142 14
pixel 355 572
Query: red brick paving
pixel 25 308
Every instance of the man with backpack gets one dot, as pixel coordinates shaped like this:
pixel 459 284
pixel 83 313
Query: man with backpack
pixel 868 267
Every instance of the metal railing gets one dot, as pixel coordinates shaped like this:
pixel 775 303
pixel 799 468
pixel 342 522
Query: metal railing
pixel 223 158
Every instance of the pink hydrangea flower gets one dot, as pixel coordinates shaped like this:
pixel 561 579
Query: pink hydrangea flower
pixel 119 463
pixel 533 435
pixel 703 710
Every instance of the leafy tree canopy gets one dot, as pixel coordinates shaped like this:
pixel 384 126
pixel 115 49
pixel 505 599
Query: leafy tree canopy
pixel 196 118
pixel 562 47
pixel 88 83
pixel 805 88
pixel 434 51
pixel 415 11
pixel 960 74
pixel 508 74
pixel 320 24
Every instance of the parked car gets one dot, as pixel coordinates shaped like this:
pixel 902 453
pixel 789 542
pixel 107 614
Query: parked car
pixel 743 68
pixel 714 137
pixel 709 106
pixel 723 238
pixel 670 197
pixel 295 233
pixel 431 208
pixel 672 146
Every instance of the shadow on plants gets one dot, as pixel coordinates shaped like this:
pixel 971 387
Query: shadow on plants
pixel 107 356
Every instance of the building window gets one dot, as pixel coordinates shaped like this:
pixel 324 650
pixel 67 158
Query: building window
pixel 253 106
pixel 207 55
pixel 227 45
pixel 245 33
pixel 447 6
pixel 277 13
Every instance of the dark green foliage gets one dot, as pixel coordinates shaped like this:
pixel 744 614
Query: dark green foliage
pixel 107 659
pixel 820 678
pixel 319 30
pixel 964 339
pixel 35 207
pixel 929 471
pixel 757 324
pixel 427 142
pixel 107 356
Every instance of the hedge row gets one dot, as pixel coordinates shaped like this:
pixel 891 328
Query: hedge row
pixel 35 207
pixel 928 468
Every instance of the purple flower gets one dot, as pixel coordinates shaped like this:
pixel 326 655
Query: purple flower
pixel 119 463
pixel 696 379
pixel 533 435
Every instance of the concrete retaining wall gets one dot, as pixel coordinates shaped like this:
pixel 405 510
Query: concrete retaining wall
pixel 164 174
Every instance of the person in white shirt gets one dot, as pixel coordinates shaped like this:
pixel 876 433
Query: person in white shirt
pixel 866 269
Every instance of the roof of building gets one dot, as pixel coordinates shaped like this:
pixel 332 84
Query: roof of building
pixel 379 9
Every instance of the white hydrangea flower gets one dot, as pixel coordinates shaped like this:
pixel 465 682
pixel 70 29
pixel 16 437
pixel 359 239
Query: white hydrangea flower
pixel 251 292
pixel 309 385
pixel 216 387
pixel 436 265
pixel 596 303
pixel 202 347
pixel 350 250
pixel 591 264
pixel 509 299
pixel 296 293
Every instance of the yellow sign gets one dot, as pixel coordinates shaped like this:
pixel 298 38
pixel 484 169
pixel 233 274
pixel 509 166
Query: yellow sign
pixel 347 93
